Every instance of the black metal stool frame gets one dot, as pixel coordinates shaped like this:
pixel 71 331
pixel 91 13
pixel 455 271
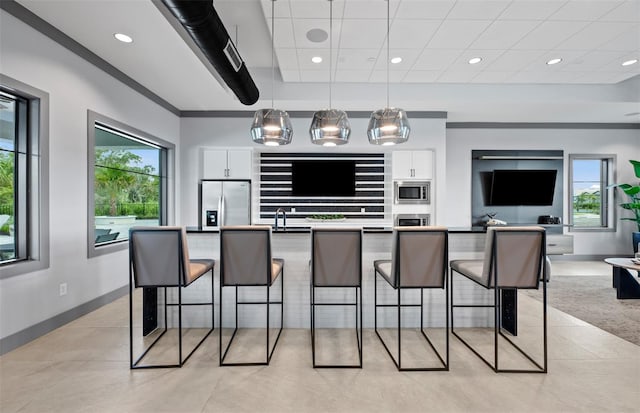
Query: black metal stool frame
pixel 135 364
pixel 268 303
pixel 497 313
pixel 399 306
pixel 357 304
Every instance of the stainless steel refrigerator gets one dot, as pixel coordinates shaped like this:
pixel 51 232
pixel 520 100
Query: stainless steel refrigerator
pixel 224 203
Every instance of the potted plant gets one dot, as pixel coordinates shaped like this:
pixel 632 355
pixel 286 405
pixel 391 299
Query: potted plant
pixel 633 192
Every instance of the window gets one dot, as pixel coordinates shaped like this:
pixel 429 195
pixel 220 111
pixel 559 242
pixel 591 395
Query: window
pixel 128 183
pixel 590 176
pixel 24 235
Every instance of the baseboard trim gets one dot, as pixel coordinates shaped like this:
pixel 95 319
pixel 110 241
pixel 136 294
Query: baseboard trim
pixel 31 333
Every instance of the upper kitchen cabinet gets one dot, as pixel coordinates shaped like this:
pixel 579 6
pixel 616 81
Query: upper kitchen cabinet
pixel 412 165
pixel 226 164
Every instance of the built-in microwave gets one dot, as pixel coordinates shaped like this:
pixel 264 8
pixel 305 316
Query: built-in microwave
pixel 412 220
pixel 412 192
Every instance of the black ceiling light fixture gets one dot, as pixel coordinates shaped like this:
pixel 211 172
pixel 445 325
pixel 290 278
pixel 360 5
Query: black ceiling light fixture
pixel 202 24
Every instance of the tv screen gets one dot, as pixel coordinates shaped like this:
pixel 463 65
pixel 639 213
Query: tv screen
pixel 522 187
pixel 316 178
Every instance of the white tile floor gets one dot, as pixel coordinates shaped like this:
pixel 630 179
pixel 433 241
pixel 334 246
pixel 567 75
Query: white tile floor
pixel 83 367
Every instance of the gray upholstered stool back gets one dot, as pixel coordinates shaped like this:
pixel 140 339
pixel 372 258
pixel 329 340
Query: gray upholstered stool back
pixel 159 256
pixel 245 255
pixel 419 256
pixel 516 254
pixel 336 257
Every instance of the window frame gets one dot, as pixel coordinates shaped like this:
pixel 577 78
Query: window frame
pixel 33 199
pixel 167 198
pixel 607 207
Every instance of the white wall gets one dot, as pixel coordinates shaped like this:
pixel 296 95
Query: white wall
pixel 198 133
pixel 74 86
pixel 625 144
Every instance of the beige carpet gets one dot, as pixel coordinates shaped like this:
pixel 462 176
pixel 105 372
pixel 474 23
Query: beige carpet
pixel 593 299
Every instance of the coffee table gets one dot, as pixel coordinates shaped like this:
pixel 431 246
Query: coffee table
pixel 625 283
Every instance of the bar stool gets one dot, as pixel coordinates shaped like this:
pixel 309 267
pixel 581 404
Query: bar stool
pixel 245 261
pixel 336 263
pixel 159 257
pixel 419 260
pixel 514 258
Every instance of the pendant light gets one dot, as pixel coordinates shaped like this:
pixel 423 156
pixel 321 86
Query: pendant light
pixel 272 127
pixel 330 127
pixel 388 126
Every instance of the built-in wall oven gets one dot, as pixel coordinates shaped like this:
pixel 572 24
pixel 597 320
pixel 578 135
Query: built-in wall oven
pixel 412 220
pixel 412 192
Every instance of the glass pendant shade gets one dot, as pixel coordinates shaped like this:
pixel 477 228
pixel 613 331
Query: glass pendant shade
pixel 330 127
pixel 271 127
pixel 388 126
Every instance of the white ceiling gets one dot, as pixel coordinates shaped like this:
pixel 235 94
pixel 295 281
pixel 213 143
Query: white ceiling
pixel 434 38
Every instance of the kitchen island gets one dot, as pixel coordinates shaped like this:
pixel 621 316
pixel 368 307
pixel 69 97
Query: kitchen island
pixel 293 244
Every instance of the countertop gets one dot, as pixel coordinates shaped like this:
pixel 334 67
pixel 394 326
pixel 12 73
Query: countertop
pixel 365 229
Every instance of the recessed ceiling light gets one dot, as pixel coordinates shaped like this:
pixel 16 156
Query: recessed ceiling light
pixel 629 62
pixel 396 60
pixel 316 59
pixel 475 60
pixel 123 37
pixel 554 61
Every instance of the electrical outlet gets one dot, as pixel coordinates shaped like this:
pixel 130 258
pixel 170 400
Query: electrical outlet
pixel 63 289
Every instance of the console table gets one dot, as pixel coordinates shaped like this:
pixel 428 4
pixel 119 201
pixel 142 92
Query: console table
pixel 624 282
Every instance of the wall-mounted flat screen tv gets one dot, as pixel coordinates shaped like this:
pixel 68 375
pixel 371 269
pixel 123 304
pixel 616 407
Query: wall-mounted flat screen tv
pixel 522 187
pixel 323 178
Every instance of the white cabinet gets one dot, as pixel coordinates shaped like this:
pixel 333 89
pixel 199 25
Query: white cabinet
pixel 226 164
pixel 412 165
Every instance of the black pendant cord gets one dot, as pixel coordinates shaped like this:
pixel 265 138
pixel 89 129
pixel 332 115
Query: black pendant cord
pixel 330 47
pixel 388 52
pixel 273 2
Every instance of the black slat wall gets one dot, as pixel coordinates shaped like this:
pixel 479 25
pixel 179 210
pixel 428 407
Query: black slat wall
pixel 275 188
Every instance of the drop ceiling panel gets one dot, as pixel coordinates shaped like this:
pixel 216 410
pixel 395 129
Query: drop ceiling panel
pixel 514 60
pixel 314 9
pixel 283 33
pixel 287 59
pixel 380 76
pixel 357 59
pixel 420 9
pixel 302 26
pixel 593 61
pixel 530 10
pixel 457 34
pixel 451 76
pixel 409 57
pixel 352 75
pixel 549 34
pixel 436 59
pixel 567 56
pixel 357 34
pixel 595 34
pixel 461 64
pixel 281 8
pixel 407 34
pixel 477 10
pixel 585 10
pixel 369 9
pixel 504 34
pixel 629 41
pixel 305 55
pixel 422 76
pixel 627 12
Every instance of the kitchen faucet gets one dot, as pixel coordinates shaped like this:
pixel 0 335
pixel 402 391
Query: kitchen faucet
pixel 284 218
